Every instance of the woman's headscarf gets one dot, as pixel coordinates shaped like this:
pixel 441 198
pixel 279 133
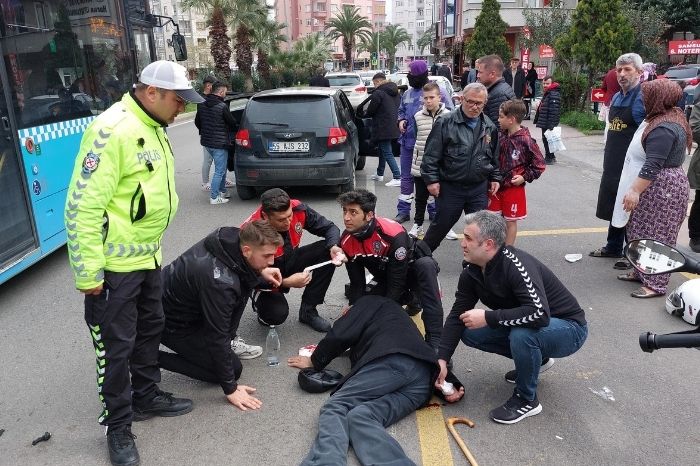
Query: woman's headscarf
pixel 661 98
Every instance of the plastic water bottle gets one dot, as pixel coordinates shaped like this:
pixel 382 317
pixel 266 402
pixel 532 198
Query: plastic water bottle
pixel 272 347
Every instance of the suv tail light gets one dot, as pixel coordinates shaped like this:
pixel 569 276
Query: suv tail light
pixel 337 136
pixel 361 89
pixel 243 138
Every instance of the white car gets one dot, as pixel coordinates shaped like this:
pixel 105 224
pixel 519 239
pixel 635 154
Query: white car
pixel 401 79
pixel 351 84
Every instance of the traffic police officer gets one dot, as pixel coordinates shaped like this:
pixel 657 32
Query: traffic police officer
pixel 120 200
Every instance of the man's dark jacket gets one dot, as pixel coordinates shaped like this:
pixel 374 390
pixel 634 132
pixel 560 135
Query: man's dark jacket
pixel 519 84
pixel 549 111
pixel 456 153
pixel 215 123
pixel 374 327
pixel 499 92
pixel 383 108
pixel 208 287
pixel 445 72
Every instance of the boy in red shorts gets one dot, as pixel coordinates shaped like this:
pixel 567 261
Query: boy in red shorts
pixel 520 161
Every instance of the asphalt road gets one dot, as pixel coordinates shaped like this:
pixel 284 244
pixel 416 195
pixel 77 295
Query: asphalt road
pixel 647 416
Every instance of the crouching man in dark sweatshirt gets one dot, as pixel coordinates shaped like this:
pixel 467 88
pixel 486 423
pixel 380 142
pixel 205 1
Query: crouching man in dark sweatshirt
pixel 205 291
pixel 391 375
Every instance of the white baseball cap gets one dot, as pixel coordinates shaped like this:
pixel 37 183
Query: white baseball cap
pixel 168 75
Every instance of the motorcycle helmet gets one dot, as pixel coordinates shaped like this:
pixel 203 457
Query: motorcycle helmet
pixel 313 381
pixel 684 301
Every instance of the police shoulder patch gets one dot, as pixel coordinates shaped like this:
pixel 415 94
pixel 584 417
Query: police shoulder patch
pixel 90 162
pixel 298 228
pixel 400 253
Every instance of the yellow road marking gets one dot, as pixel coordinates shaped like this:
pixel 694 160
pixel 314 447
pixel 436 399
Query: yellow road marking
pixel 561 231
pixel 432 432
pixel 689 275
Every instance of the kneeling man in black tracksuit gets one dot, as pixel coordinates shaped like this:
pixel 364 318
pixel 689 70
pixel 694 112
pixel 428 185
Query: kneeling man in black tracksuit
pixel 532 318
pixel 392 371
pixel 205 291
pixel 400 264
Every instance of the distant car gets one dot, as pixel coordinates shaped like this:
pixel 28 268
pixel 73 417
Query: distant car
pixel 367 76
pixel 401 79
pixel 351 84
pixel 296 137
pixel 690 75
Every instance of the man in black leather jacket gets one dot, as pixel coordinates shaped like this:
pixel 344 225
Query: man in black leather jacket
pixel 205 291
pixel 460 163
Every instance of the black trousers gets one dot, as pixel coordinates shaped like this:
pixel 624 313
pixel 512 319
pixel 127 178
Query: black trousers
pixel 289 264
pixel 421 199
pixel 694 217
pixel 547 154
pixel 125 322
pixel 454 199
pixel 191 355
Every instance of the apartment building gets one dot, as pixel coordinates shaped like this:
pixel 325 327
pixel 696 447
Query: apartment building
pixel 416 17
pixel 456 19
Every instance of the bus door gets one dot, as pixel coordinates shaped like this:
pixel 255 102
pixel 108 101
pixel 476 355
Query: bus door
pixel 17 238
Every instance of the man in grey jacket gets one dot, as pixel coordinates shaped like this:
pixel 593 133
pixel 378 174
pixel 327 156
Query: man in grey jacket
pixel 460 163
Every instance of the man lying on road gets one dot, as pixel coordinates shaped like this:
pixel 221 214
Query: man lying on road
pixel 392 370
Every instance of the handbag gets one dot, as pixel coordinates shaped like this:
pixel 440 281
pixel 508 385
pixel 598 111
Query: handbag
pixel 554 140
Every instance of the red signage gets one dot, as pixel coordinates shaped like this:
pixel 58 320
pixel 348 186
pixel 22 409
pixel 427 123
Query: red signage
pixel 541 71
pixel 597 95
pixel 546 51
pixel 684 47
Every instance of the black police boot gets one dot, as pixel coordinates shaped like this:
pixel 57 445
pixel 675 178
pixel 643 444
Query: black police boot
pixel 122 448
pixel 309 315
pixel 163 404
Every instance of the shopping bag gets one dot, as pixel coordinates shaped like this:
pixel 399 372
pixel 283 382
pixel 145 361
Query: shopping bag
pixel 554 139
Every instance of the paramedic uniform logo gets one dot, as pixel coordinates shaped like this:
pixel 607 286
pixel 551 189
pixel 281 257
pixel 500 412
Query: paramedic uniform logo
pixel 377 246
pixel 90 163
pixel 298 228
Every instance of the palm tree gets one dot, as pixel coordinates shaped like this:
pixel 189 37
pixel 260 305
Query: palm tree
pixel 216 11
pixel 246 15
pixel 312 52
pixel 426 39
pixel 392 37
pixel 266 38
pixel 370 44
pixel 351 27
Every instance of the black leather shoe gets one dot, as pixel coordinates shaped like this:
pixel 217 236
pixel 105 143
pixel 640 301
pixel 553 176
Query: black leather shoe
pixel 401 218
pixel 694 244
pixel 309 315
pixel 164 404
pixel 122 448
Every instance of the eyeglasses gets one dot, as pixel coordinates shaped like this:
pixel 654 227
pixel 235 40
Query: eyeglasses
pixel 474 103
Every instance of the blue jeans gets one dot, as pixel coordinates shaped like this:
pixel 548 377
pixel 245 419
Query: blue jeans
pixel 377 396
pixel 220 157
pixel 386 155
pixel 528 347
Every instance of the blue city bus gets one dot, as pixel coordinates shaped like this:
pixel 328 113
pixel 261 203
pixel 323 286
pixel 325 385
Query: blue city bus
pixel 64 62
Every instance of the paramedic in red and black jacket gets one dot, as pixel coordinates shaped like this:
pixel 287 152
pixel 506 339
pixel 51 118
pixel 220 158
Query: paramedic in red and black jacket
pixel 290 217
pixel 400 265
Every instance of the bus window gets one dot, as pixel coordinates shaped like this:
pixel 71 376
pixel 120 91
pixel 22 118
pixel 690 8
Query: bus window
pixel 65 59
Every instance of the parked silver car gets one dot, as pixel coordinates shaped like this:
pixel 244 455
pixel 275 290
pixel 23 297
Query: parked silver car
pixel 351 84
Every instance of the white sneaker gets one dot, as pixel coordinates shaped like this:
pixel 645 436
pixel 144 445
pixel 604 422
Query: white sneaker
pixel 245 351
pixel 218 200
pixel 230 183
pixel 225 194
pixel 206 186
pixel 376 177
pixel 417 231
pixel 393 183
pixel 451 235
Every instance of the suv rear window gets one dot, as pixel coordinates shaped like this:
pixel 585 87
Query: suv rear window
pixel 682 73
pixel 291 111
pixel 348 80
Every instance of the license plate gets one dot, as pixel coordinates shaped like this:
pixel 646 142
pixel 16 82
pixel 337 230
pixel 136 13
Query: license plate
pixel 288 146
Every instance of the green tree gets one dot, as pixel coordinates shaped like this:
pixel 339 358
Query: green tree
pixel 426 39
pixel 246 15
pixel 546 24
pixel 216 12
pixel 680 15
pixel 306 58
pixel 649 28
pixel 391 38
pixel 599 34
pixel 369 44
pixel 489 33
pixel 266 38
pixel 352 27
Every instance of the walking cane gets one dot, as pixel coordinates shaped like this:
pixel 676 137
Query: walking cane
pixel 451 427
